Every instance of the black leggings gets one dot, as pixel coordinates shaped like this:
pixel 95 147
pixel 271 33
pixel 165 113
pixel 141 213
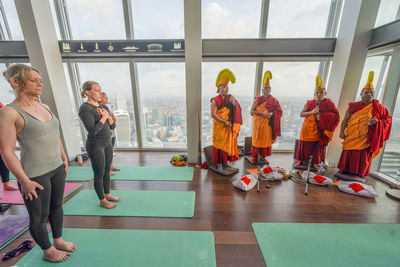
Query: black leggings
pixel 48 205
pixel 100 154
pixel 4 172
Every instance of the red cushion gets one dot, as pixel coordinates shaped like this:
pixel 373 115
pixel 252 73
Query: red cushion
pixel 267 170
pixel 319 179
pixel 246 180
pixel 356 187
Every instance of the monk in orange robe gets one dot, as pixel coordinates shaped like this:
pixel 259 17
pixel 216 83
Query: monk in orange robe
pixel 365 128
pixel 321 119
pixel 267 113
pixel 227 115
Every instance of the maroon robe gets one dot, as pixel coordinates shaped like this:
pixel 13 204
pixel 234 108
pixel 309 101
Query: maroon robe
pixel 358 162
pixel 235 116
pixel 272 105
pixel 328 121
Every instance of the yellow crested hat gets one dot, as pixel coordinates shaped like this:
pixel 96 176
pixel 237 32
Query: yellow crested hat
pixel 370 81
pixel 318 83
pixel 224 76
pixel 267 77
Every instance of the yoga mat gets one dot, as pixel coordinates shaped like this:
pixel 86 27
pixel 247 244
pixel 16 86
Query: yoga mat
pixel 15 197
pixel 134 203
pixel 11 226
pixel 111 247
pixel 328 244
pixel 139 173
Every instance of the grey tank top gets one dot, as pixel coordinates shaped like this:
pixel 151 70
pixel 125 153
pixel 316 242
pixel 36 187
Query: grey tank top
pixel 39 143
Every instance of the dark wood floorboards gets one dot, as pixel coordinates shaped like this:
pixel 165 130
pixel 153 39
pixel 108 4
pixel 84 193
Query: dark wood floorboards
pixel 229 213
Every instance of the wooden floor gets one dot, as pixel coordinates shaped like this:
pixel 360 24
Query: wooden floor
pixel 229 213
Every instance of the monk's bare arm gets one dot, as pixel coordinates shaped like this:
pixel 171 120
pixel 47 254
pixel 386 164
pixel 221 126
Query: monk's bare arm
pixel 344 124
pixel 214 113
pixel 305 114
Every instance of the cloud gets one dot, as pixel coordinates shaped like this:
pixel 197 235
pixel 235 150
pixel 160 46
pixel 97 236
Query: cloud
pixel 221 22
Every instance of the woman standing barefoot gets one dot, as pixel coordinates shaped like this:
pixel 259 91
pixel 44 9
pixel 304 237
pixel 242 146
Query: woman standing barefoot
pixel 43 166
pixel 98 122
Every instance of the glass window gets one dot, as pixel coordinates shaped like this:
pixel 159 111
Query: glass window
pixel 79 130
pixel 388 12
pixel 390 164
pixel 380 65
pixel 297 19
pixel 242 90
pixel 102 19
pixel 230 18
pixel 163 95
pixel 292 84
pixel 158 19
pixel 114 79
pixel 13 20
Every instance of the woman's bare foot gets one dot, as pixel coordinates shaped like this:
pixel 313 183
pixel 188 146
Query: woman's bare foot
pixel 109 197
pixel 111 173
pixel 115 169
pixel 60 244
pixel 107 204
pixel 8 187
pixel 54 255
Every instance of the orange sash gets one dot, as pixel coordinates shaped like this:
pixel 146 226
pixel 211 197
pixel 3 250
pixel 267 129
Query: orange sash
pixel 309 129
pixel 225 138
pixel 356 131
pixel 262 131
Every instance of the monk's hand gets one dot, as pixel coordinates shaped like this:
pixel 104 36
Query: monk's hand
pixel 372 121
pixel 227 123
pixel 28 189
pixel 315 111
pixel 341 135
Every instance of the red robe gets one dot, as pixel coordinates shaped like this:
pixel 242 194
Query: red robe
pixel 1 105
pixel 272 105
pixel 235 116
pixel 328 121
pixel 358 162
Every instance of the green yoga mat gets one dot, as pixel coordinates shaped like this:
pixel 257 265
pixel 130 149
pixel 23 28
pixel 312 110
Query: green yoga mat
pixel 327 244
pixel 139 173
pixel 134 203
pixel 110 247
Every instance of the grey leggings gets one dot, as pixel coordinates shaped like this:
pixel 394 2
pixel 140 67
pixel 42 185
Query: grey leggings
pixel 48 205
pixel 100 154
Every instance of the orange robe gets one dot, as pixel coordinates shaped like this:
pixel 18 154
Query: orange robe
pixel 315 135
pixel 363 142
pixel 265 130
pixel 224 137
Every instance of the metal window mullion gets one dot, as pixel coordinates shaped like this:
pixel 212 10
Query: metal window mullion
pixel 262 33
pixel 129 30
pixel 331 26
pixel 6 35
pixel 379 84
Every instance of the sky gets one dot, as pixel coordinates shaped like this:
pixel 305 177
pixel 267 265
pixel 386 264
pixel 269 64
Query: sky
pixel 160 19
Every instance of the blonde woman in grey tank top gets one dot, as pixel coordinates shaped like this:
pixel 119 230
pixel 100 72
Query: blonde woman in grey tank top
pixel 43 166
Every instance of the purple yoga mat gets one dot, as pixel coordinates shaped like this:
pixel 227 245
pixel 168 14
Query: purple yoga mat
pixel 11 226
pixel 14 197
